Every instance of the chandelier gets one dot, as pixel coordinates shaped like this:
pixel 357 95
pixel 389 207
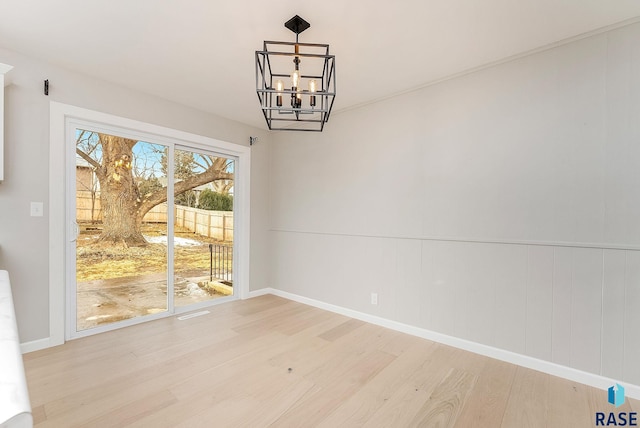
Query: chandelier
pixel 295 82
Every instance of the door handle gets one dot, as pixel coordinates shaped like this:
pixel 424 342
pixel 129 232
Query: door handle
pixel 76 231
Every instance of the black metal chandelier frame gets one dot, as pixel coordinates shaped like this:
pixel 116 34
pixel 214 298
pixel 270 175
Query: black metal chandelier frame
pixel 309 109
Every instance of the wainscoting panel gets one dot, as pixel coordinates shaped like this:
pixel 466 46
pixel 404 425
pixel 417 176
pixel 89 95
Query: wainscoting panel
pixel 408 294
pixel 613 297
pixel 573 306
pixel 586 309
pixel 510 270
pixel 561 322
pixel 632 318
pixel 444 297
pixel 539 302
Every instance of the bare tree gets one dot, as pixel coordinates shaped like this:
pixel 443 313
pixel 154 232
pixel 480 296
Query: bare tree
pixel 123 206
pixel 222 186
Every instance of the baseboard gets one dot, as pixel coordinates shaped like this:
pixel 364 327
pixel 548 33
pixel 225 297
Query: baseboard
pixel 596 381
pixel 261 292
pixel 36 345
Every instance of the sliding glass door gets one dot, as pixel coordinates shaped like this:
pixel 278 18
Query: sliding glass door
pixel 153 230
pixel 203 233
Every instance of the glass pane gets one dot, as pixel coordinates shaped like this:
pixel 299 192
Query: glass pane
pixel 121 212
pixel 203 233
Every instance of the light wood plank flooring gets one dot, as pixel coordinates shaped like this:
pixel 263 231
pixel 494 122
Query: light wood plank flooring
pixel 268 361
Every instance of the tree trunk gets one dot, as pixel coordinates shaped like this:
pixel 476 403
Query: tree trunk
pixel 119 193
pixel 123 208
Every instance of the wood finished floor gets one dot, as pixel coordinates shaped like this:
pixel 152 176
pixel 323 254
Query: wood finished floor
pixel 268 361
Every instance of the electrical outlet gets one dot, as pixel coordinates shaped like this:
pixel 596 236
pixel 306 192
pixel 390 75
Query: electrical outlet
pixel 374 298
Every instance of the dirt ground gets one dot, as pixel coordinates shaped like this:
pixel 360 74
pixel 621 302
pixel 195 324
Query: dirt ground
pixel 117 283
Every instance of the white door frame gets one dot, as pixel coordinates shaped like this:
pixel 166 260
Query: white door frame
pixel 63 121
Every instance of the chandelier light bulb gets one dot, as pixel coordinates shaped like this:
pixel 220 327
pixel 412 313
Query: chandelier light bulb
pixel 279 88
pixel 295 78
pixel 312 90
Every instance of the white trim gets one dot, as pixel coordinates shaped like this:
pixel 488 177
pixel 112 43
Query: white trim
pixel 594 380
pixel 4 68
pixel 171 224
pixel 243 234
pixel 59 115
pixel 36 345
pixel 261 292
pixel 72 335
pixel 480 240
pixel 57 223
pixel 71 232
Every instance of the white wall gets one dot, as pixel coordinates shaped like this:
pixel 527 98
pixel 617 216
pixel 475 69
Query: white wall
pixel 23 239
pixel 500 207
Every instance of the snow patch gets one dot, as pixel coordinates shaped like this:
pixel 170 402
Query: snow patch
pixel 178 242
pixel 195 290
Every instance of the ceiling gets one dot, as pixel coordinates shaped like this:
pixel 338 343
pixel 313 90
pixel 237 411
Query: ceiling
pixel 201 52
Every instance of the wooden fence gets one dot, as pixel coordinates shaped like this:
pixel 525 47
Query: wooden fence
pixel 88 207
pixel 213 224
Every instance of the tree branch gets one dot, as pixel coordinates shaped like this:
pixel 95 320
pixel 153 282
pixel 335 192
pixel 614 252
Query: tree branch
pixel 201 166
pixel 89 159
pixel 160 196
